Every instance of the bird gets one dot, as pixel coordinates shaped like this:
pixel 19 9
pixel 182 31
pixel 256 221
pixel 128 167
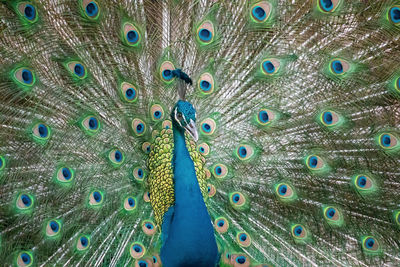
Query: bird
pixel 199 133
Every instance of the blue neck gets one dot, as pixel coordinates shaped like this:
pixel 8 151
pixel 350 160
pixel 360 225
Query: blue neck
pixel 190 238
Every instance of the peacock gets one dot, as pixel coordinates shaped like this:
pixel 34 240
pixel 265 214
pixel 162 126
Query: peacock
pixel 199 133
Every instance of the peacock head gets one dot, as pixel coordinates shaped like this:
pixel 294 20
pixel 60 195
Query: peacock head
pixel 183 116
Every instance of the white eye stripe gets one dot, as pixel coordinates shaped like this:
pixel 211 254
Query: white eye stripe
pixel 176 117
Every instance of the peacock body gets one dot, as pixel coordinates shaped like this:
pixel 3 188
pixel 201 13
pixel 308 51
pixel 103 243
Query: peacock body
pixel 294 161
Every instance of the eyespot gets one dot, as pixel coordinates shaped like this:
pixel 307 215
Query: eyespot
pixel 137 250
pixel 139 174
pixel 148 227
pixel 130 203
pixel 314 162
pixel 265 117
pixel 370 244
pixel 394 15
pixel 285 192
pixel 156 260
pixel 397 84
pixel 96 198
pixel 333 216
pixel 206 83
pixel 299 233
pixel 90 125
pixel 220 171
pixel 211 190
pixel 146 196
pixel 237 200
pixel 129 92
pixel 270 66
pixel 24 202
pixel 28 11
pixel 167 124
pixel 156 112
pixel 91 9
pixel 364 184
pixel 204 149
pixel 146 147
pixel 329 118
pixel 116 157
pixel 53 228
pixel 244 152
pixel 83 242
pixel 339 66
pixel 2 163
pixel 142 263
pixel 396 217
pixel 261 11
pixel 243 239
pixel 65 175
pixel 207 127
pixel 388 141
pixel 328 5
pixel 131 35
pixel 221 225
pixel 77 69
pixel 41 132
pixel 24 259
pixel 25 76
pixel 239 260
pixel 166 69
pixel 138 127
pixel 205 33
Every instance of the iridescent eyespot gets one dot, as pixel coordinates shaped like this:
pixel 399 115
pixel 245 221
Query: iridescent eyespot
pixel 220 171
pixel 77 69
pixel 90 125
pixel 397 84
pixel 116 157
pixel 96 198
pixel 394 15
pixel 221 225
pixel 329 118
pixel 24 76
pixel 146 147
pixel 237 200
pixel 65 175
pixel 148 227
pixel 137 250
pixel 328 5
pixel 205 33
pixel 388 141
pixel 270 66
pixel 206 83
pixel 53 228
pixel 239 260
pixel 364 184
pixel 28 11
pixel 83 242
pixel 167 124
pixel 24 202
pixel 370 245
pixel 333 216
pixel 166 69
pixel 41 132
pixel 138 127
pixel 299 233
pixel 24 259
pixel 211 190
pixel 243 239
pixel 265 117
pixel 339 66
pixel 314 162
pixel 244 152
pixel 142 263
pixel 261 11
pixel 91 9
pixel 285 192
pixel 129 92
pixel 139 174
pixel 131 35
pixel 204 149
pixel 157 112
pixel 207 127
pixel 2 163
pixel 129 204
pixel 396 217
pixel 146 196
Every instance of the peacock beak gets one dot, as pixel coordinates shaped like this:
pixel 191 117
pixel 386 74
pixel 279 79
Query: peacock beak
pixel 191 128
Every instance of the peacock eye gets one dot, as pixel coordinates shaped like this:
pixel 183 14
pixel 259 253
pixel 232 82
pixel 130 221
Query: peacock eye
pixel 96 198
pixel 131 35
pixel 77 69
pixel 137 250
pixel 91 9
pixel 83 242
pixel 24 76
pixel 24 259
pixel 28 11
pixel 394 14
pixel 116 157
pixel 53 228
